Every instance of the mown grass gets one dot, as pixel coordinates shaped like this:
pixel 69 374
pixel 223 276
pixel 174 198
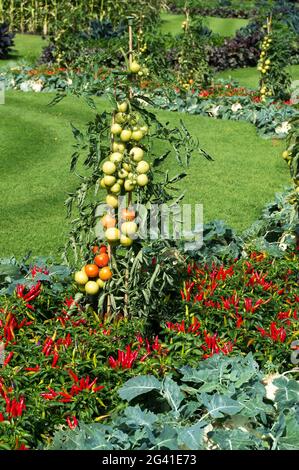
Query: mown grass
pixel 224 26
pixel 249 76
pixel 27 50
pixel 36 145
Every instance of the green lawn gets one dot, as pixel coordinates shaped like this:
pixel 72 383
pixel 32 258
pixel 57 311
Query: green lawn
pixel 224 26
pixel 249 76
pixel 35 149
pixel 27 50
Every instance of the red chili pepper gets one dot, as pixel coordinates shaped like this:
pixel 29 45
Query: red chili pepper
pixel 72 422
pixel 74 376
pixel 55 359
pixel 21 407
pixel 32 369
pixel 22 447
pixel 47 346
pixel 23 322
pixel 8 359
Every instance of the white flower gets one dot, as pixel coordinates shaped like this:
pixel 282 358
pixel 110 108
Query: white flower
pixel 235 107
pixel 283 128
pixel 69 81
pixel 37 86
pixel 25 86
pixel 269 386
pixel 214 110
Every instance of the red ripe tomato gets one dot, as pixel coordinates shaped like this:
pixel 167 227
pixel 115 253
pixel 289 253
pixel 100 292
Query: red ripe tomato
pixel 91 270
pixel 95 249
pixel 103 249
pixel 102 260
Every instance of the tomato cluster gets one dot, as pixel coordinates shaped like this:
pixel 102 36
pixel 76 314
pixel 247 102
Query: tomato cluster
pixel 124 171
pixel 264 66
pixel 93 277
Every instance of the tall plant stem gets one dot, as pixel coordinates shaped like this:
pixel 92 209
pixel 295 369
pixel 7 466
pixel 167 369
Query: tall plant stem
pixel 22 16
pixel 11 14
pixel 129 196
pixel 45 23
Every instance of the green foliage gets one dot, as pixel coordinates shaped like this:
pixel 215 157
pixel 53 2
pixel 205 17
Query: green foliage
pixel 275 80
pixel 158 53
pixel 291 155
pixel 267 117
pixel 14 272
pixel 140 275
pixel 217 8
pixel 234 414
pixel 187 74
pixel 47 339
pixel 94 146
pixel 150 282
pixel 192 60
pixel 219 241
pixel 274 230
pixel 293 149
pixel 57 334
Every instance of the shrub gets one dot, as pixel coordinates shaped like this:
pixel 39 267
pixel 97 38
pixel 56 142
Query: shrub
pixel 287 13
pixel 240 51
pixel 6 41
pixel 103 30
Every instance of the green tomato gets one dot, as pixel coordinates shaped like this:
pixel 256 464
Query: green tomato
pixel 137 135
pixel 143 167
pixel 142 180
pixel 135 67
pixel 129 185
pixel 116 157
pixel 122 107
pixel 109 168
pixel 116 129
pixel 126 135
pixel 136 153
pixel 81 278
pixel 109 180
